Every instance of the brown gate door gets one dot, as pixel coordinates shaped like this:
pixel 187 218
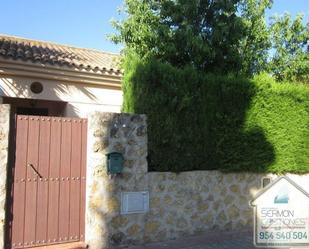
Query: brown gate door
pixel 49 181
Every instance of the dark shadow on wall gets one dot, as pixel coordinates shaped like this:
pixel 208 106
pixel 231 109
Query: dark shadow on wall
pixel 196 121
pixel 17 87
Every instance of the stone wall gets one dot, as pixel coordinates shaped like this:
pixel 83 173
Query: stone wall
pixel 108 133
pixel 181 204
pixel 194 202
pixel 4 141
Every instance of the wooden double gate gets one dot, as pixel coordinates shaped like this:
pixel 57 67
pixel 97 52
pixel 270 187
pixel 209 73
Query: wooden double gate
pixel 49 181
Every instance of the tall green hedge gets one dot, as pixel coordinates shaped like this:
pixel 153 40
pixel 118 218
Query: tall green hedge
pixel 202 121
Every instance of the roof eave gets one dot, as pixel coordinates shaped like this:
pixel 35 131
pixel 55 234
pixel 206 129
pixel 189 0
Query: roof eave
pixel 12 67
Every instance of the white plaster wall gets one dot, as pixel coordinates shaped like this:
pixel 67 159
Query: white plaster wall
pixel 82 98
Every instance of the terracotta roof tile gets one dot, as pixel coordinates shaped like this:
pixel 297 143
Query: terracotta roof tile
pixel 56 54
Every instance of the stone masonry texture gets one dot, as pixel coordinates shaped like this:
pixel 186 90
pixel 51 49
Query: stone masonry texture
pixel 4 141
pixel 127 134
pixel 181 204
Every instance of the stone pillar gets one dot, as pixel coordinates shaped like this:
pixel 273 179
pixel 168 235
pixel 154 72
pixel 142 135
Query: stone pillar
pixel 4 142
pixel 127 134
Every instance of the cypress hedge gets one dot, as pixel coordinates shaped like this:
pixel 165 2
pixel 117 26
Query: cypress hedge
pixel 202 121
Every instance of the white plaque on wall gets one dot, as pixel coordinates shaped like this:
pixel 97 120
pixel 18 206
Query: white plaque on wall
pixel 134 202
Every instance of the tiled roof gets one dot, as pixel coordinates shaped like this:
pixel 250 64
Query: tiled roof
pixel 57 55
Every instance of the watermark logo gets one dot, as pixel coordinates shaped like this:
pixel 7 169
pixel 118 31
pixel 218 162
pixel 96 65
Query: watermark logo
pixel 281 215
pixel 282 197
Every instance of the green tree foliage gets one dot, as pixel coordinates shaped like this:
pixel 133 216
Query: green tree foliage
pixel 256 42
pixel 209 35
pixel 217 36
pixel 290 40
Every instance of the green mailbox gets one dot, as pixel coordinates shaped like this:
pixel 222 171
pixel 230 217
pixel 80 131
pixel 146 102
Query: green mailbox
pixel 114 163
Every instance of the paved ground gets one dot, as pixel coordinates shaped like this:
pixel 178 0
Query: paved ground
pixel 226 240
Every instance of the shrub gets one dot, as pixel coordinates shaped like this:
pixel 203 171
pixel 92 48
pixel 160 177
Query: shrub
pixel 202 121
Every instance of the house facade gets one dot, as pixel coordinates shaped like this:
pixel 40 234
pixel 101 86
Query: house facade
pixel 57 80
pixel 47 92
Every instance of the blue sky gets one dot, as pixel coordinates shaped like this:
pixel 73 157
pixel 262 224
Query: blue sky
pixel 84 23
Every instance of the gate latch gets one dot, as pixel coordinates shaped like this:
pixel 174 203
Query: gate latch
pixel 34 170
